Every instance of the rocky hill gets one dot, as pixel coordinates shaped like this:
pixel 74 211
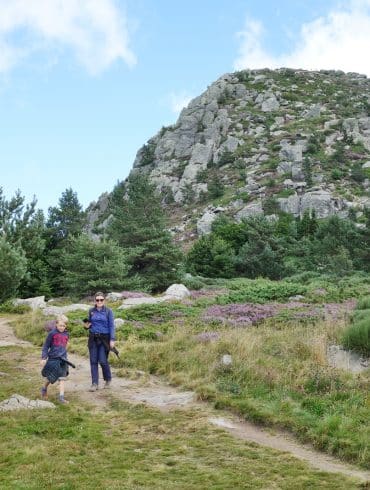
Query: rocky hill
pixel 262 141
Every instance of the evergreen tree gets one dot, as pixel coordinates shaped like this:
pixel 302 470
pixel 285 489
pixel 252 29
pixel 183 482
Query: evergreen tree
pixel 15 217
pixel 13 267
pixel 335 241
pixel 138 225
pixel 211 256
pixel 89 265
pixel 33 243
pixel 234 233
pixel 23 226
pixel 65 221
pixel 263 252
pixel 363 256
pixel 307 225
pixel 215 187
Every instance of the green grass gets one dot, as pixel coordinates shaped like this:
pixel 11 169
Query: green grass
pixel 131 447
pixel 279 376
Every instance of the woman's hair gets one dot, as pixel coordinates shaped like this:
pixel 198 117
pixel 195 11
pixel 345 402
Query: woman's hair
pixel 99 293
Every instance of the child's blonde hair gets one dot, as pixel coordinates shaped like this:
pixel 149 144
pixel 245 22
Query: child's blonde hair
pixel 62 319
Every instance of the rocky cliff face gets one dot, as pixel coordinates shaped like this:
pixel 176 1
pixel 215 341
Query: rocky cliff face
pixel 265 141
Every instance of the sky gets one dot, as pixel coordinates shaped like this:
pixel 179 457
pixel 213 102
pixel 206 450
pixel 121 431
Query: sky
pixel 85 83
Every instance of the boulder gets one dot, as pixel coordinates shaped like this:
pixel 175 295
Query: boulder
pixel 118 322
pixel 132 302
pixel 33 303
pixel 114 296
pixel 270 104
pixel 252 209
pixel 204 223
pixel 322 202
pixel 17 402
pixel 61 310
pixel 177 291
pixel 292 153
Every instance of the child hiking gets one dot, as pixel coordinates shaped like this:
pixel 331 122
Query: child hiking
pixel 54 358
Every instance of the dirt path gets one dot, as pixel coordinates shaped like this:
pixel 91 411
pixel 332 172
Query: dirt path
pixel 156 393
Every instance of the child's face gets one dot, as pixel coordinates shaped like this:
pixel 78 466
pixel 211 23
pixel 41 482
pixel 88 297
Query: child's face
pixel 61 326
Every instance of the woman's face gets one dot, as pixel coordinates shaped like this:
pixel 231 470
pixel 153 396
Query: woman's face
pixel 99 301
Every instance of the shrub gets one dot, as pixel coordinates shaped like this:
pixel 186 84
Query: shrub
pixel 10 307
pixel 193 282
pixel 260 291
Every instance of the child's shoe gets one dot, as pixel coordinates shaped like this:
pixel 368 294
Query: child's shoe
pixel 93 387
pixel 107 385
pixel 62 400
pixel 44 393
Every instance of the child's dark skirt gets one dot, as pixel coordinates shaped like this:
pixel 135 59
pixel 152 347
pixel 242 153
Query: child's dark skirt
pixel 54 370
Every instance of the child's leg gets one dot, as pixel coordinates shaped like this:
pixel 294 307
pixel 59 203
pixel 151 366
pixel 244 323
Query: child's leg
pixel 61 391
pixel 44 389
pixel 61 388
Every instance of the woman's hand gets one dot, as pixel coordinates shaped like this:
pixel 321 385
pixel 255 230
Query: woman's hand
pixel 42 362
pixel 111 344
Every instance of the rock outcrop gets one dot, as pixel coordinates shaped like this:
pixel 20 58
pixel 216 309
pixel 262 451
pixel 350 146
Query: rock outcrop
pixel 299 138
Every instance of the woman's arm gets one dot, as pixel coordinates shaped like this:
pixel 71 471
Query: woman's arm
pixel 111 327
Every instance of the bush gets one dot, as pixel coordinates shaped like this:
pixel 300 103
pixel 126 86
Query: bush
pixel 193 282
pixel 260 291
pixel 10 307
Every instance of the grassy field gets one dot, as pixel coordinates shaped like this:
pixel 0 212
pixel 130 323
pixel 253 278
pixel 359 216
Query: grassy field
pixel 279 375
pixel 130 447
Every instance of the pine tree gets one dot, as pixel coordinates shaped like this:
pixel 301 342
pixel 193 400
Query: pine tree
pixel 138 225
pixel 13 267
pixel 64 222
pixel 88 266
pixel 22 226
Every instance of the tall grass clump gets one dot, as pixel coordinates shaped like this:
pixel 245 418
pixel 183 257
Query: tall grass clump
pixel 357 335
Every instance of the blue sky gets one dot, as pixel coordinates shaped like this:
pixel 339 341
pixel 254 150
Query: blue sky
pixel 85 83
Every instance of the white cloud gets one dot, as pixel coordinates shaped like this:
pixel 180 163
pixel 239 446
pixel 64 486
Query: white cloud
pixel 179 101
pixel 340 40
pixel 95 30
